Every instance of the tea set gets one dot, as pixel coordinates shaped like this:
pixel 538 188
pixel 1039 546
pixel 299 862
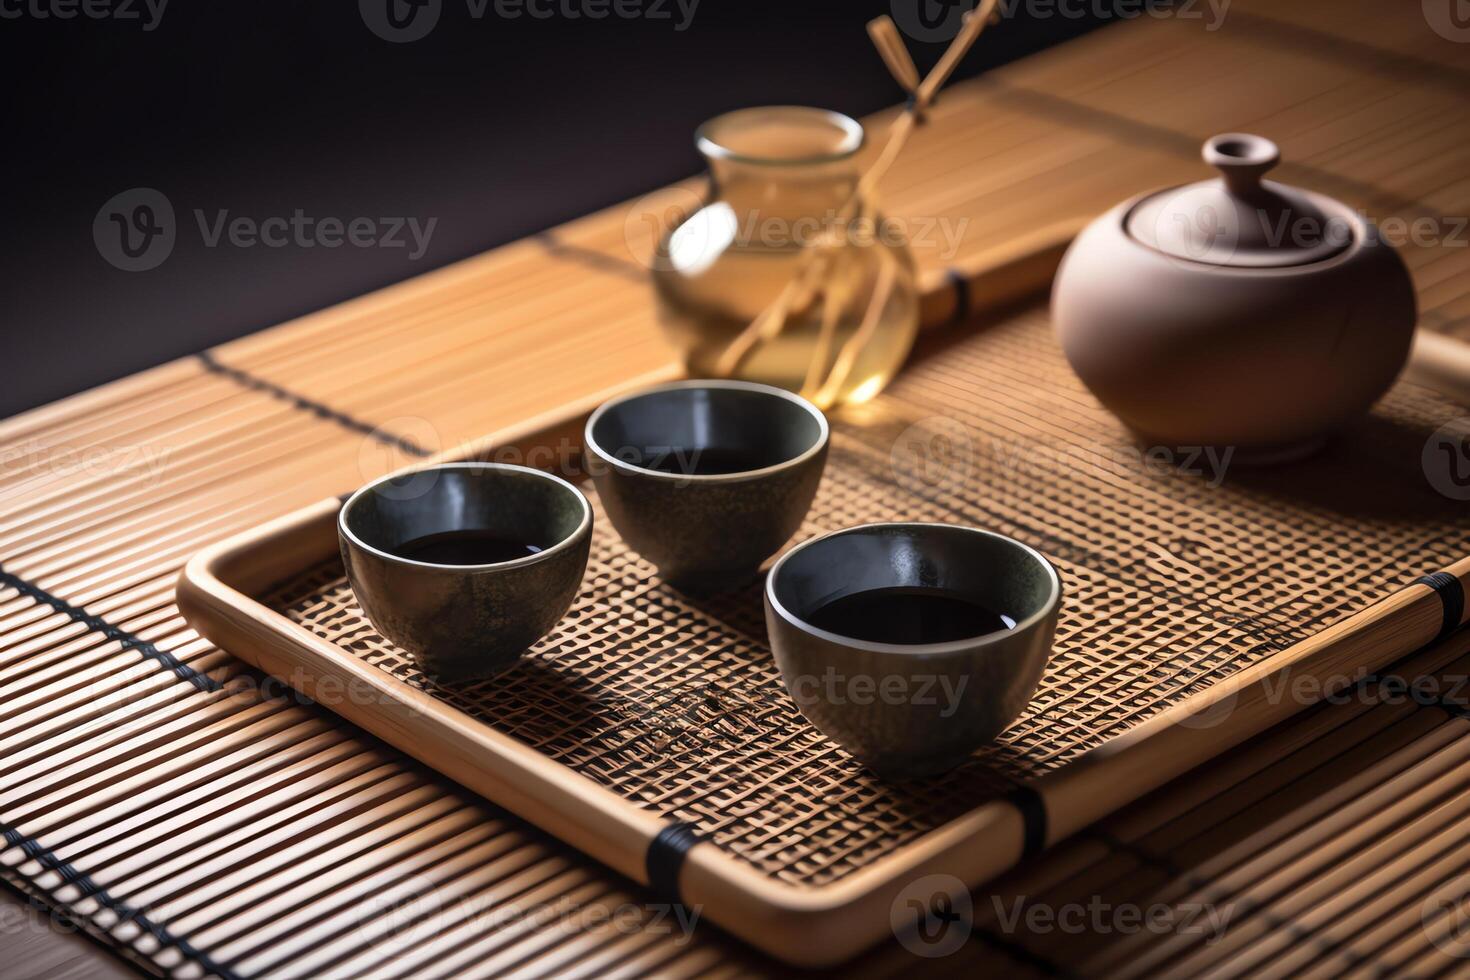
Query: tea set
pixel 708 479
pixel 1201 316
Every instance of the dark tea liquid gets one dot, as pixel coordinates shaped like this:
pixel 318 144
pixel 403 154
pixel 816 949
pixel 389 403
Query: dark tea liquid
pixel 467 547
pixel 712 461
pixel 908 615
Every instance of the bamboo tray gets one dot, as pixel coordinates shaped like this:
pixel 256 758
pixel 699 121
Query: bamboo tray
pixel 648 720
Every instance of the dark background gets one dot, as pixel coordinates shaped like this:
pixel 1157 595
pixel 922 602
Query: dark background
pixel 497 127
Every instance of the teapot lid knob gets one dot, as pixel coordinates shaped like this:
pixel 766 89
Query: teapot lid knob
pixel 1242 160
pixel 1241 220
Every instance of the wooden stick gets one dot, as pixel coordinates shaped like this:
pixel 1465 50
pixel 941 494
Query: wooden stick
pixel 834 300
pixel 773 320
pixel 847 357
pixel 1442 363
pixel 895 55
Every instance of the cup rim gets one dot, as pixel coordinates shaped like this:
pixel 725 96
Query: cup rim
pixel 824 432
pixel 1049 606
pixel 853 136
pixel 582 529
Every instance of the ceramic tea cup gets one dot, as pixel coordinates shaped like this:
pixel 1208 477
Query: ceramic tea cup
pixel 707 479
pixel 465 565
pixel 911 644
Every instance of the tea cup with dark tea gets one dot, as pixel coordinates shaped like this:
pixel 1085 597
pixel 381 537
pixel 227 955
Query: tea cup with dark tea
pixel 911 645
pixel 707 479
pixel 465 565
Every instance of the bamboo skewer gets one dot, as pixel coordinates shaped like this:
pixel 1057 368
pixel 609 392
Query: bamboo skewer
pixel 816 262
pixel 834 301
pixel 847 357
pixel 894 53
pixel 1442 363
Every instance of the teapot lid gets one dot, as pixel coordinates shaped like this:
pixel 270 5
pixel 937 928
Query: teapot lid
pixel 1239 219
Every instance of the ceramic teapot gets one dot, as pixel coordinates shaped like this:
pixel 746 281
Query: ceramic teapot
pixel 1236 311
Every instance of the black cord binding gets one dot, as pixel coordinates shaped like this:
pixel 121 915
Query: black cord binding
pixel 1033 819
pixel 321 411
pixel 90 889
pixel 961 287
pixel 1451 595
pixel 666 857
pixel 97 624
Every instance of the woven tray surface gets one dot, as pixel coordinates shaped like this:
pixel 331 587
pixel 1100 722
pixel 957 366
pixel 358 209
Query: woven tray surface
pixel 1172 583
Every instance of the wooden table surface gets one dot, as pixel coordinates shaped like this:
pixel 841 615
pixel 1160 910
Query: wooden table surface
pixel 103 496
pixel 38 944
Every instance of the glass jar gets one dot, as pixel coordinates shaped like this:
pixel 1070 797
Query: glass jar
pixel 785 273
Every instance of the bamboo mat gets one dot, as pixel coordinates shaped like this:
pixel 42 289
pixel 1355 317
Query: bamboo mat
pixel 230 829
